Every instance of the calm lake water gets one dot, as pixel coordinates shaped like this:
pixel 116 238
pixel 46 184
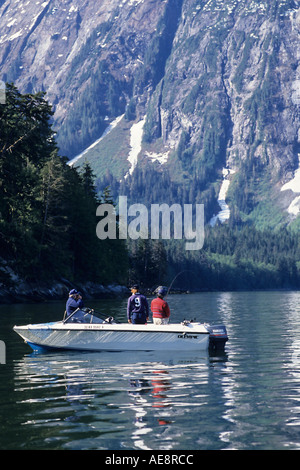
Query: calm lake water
pixel 247 399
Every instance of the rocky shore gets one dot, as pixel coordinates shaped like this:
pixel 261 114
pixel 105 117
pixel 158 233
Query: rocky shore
pixel 30 292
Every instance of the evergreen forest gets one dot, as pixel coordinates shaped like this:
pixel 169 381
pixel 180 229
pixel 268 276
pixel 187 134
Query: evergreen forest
pixel 47 208
pixel 48 221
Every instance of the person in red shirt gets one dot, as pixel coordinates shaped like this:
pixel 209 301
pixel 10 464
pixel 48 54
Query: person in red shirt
pixel 159 307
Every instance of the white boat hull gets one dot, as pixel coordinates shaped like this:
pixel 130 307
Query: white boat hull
pixel 115 337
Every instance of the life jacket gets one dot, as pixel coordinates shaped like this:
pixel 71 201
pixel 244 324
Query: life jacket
pixel 160 308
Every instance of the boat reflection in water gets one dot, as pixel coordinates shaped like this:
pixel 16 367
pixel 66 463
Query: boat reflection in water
pixel 129 397
pixel 134 383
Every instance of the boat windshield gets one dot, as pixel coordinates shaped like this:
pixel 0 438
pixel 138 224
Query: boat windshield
pixel 81 316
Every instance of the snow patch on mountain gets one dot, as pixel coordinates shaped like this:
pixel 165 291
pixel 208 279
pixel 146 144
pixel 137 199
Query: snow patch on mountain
pixel 112 125
pixel 224 213
pixel 136 135
pixel 158 157
pixel 294 185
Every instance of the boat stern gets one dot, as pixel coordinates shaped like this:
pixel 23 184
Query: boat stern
pixel 217 337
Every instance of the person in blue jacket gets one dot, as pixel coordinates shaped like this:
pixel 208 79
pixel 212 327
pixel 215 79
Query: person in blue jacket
pixel 74 302
pixel 137 307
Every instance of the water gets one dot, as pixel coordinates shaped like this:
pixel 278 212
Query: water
pixel 248 398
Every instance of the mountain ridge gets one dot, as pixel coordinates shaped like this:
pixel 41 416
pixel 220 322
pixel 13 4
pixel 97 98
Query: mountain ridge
pixel 218 82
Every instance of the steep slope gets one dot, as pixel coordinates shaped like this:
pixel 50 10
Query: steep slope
pixel 217 83
pixel 230 97
pixel 84 54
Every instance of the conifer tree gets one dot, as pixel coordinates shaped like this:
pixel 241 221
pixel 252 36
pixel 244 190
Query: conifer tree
pixel 47 208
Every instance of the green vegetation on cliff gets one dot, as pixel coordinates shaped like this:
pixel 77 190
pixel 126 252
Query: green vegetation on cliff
pixel 48 220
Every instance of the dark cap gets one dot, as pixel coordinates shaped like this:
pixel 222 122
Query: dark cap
pixel 73 291
pixel 134 286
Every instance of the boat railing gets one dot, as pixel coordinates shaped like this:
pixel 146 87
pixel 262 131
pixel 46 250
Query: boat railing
pixel 87 315
pixel 65 319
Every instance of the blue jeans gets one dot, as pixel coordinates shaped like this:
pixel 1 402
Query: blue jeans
pixel 138 318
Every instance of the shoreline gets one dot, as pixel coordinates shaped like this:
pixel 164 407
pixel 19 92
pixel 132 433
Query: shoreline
pixel 40 292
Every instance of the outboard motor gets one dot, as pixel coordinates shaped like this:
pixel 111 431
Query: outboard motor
pixel 217 337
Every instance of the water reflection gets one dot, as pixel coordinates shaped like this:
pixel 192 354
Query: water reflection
pixel 259 394
pixel 245 399
pixel 151 392
pixel 140 403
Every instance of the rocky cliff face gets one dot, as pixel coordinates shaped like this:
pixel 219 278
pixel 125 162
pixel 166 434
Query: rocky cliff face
pixel 84 54
pixel 216 82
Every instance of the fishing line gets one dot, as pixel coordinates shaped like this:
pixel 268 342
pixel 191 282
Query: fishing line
pixel 183 271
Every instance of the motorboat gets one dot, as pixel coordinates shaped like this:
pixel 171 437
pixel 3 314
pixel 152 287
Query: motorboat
pixel 83 330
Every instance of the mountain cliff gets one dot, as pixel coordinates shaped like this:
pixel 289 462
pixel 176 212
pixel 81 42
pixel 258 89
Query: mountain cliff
pixel 201 96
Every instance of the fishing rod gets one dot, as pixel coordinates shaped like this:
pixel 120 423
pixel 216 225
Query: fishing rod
pixel 183 271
